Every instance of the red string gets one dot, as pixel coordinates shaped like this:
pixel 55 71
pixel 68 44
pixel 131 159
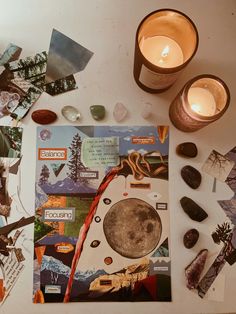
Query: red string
pixel 84 230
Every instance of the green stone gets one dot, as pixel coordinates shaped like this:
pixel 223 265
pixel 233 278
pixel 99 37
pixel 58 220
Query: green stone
pixel 98 112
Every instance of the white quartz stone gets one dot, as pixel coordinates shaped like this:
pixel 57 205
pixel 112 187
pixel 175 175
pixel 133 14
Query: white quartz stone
pixel 147 111
pixel 70 113
pixel 120 112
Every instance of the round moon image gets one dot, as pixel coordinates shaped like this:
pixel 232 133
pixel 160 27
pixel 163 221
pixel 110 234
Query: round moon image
pixel 132 228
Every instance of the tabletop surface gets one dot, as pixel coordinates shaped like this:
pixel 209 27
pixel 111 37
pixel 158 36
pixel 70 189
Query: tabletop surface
pixel 108 29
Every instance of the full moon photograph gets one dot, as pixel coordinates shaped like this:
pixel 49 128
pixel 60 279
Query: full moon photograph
pixel 132 228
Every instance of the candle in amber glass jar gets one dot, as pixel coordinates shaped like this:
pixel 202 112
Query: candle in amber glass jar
pixel 166 40
pixel 203 100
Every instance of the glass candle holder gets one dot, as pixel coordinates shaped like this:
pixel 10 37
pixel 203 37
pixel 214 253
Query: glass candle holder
pixel 166 41
pixel 203 100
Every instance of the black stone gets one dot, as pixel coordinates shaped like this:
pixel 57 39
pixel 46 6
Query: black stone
pixel 192 209
pixel 191 176
pixel 190 238
pixel 187 149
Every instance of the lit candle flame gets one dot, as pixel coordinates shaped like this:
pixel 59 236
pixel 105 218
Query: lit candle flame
pixel 196 108
pixel 165 52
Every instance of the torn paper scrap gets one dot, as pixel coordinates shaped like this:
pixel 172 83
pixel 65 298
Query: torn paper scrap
pixel 31 68
pixel 28 101
pixel 12 270
pixel 10 141
pixel 19 255
pixel 218 166
pixel 231 179
pixel 60 86
pixel 40 196
pixel 10 93
pixel 11 53
pixel 65 57
pixel 217 290
pixel 5 230
pixel 13 168
pixel 229 207
pixel 100 151
pixel 17 95
pixel 2 223
pixel 210 276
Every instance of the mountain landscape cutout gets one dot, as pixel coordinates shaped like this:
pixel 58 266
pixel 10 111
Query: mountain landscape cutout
pixel 163 249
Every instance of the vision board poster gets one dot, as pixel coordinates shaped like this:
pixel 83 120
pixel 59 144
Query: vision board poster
pixel 102 214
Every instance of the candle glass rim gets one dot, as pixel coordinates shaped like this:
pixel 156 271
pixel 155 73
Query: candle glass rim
pixel 182 65
pixel 186 103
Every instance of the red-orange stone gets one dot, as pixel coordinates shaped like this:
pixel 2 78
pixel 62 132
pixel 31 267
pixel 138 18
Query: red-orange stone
pixel 43 116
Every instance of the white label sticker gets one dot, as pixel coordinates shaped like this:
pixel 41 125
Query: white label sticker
pixel 59 214
pixel 52 154
pixel 88 174
pixel 156 80
pixel 161 206
pixel 53 289
pixel 161 268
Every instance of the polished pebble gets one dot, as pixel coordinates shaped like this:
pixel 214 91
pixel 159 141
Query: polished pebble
pixel 70 113
pixel 120 112
pixel 191 176
pixel 43 116
pixel 190 238
pixel 98 112
pixel 147 111
pixel 192 209
pixel 187 149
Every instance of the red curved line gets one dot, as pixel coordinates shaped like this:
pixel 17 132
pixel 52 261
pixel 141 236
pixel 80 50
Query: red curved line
pixel 84 229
